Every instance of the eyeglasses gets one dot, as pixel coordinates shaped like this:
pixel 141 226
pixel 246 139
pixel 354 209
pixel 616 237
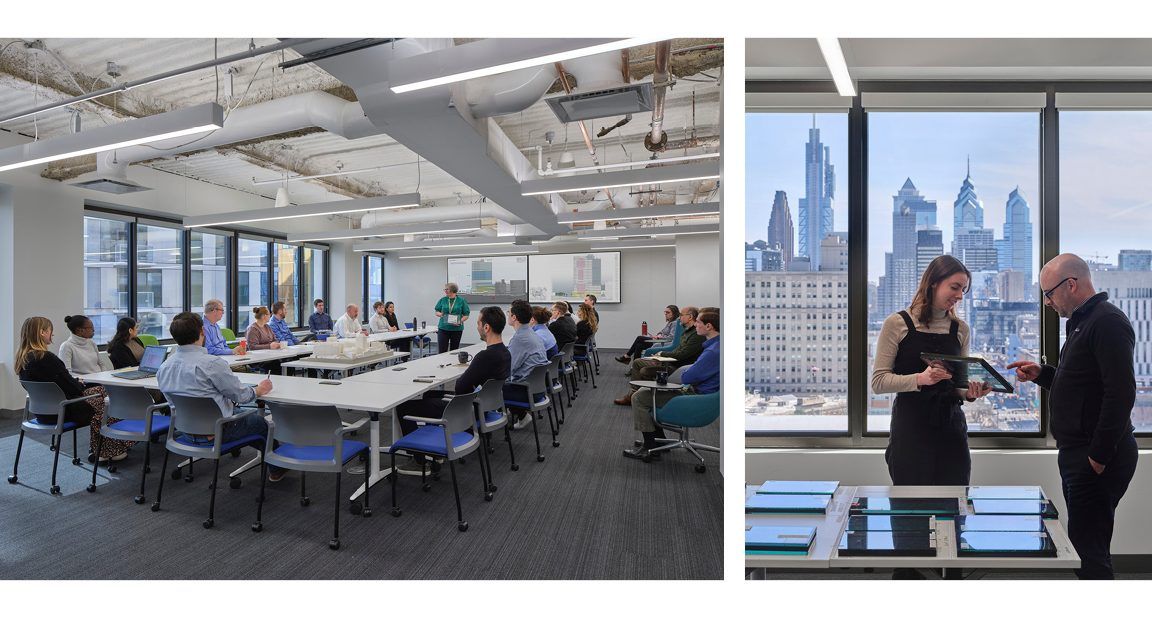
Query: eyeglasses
pixel 1048 293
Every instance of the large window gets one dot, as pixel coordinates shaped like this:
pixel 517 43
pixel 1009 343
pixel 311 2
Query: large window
pixel 1105 181
pixel 251 281
pixel 287 281
pixel 963 184
pixel 796 273
pixel 312 276
pixel 159 277
pixel 209 270
pixel 106 285
pixel 373 282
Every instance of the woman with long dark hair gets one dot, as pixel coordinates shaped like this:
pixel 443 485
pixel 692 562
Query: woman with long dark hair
pixel 125 349
pixel 928 439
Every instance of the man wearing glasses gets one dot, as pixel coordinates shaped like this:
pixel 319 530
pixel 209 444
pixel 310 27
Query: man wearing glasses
pixel 1093 389
pixel 213 340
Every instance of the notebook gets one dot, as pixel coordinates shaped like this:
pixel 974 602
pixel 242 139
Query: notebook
pixel 881 543
pixel 799 487
pixel 786 503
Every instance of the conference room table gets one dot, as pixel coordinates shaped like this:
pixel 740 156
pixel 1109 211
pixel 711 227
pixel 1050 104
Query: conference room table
pixel 830 526
pixel 371 398
pixel 343 365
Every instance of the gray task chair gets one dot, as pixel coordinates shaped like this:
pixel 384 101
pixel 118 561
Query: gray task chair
pixel 570 383
pixel 491 416
pixel 451 438
pixel 311 439
pixel 556 389
pixel 193 416
pixel 46 398
pixel 538 389
pixel 139 421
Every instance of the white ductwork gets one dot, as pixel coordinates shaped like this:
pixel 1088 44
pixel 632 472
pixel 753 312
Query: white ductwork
pixel 508 93
pixel 598 72
pixel 433 214
pixel 302 111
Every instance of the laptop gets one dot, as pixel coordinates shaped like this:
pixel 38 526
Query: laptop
pixel 149 364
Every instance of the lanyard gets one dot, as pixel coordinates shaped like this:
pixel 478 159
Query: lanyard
pixel 451 304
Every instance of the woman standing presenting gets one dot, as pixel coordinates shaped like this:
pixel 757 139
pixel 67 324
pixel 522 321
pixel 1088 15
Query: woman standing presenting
pixel 928 439
pixel 453 312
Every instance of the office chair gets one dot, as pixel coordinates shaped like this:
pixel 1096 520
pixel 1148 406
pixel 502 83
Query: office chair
pixel 46 398
pixel 680 415
pixel 538 389
pixel 138 422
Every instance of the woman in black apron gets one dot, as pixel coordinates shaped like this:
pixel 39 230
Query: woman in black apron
pixel 928 439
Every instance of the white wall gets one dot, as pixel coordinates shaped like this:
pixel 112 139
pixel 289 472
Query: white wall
pixel 347 280
pixel 989 467
pixel 698 273
pixel 648 285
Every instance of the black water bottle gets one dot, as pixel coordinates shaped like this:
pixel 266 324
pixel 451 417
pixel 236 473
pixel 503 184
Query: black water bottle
pixel 415 324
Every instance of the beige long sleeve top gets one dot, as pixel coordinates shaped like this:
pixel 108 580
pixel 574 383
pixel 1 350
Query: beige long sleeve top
pixel 884 380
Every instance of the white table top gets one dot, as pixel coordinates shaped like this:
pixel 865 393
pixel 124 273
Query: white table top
pixel 343 365
pixel 392 335
pixel 262 356
pixel 652 385
pixel 422 367
pixel 830 527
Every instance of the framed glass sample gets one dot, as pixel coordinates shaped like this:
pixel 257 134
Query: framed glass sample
pixel 877 543
pixel 975 368
pixel 1006 545
pixel 799 487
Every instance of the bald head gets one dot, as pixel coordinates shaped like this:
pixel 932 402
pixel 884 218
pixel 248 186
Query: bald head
pixel 1066 282
pixel 1067 265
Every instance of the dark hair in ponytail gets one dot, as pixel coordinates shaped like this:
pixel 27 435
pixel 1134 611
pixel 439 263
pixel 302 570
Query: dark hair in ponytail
pixel 75 322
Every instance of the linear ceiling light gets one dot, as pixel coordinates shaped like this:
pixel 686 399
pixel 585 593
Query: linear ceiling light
pixel 609 166
pixel 494 56
pixel 257 183
pixel 651 212
pixel 391 245
pixel 631 247
pixel 470 225
pixel 834 58
pixel 306 210
pixel 665 230
pixel 627 178
pixel 179 123
pixel 463 255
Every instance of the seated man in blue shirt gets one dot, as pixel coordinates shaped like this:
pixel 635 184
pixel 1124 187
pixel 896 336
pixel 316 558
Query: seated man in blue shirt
pixel 279 326
pixel 527 351
pixel 701 378
pixel 214 341
pixel 540 317
pixel 319 320
pixel 193 372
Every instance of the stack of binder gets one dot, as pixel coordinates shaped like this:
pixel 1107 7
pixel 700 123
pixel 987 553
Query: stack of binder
pixel 790 504
pixel 889 535
pixel 779 540
pixel 1003 536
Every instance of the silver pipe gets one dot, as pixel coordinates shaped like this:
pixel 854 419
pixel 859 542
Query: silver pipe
pixel 657 138
pixel 156 78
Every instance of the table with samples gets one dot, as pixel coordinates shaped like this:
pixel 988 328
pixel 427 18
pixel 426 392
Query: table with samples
pixel 823 525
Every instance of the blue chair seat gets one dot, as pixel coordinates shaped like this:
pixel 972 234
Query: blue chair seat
pixel 68 425
pixel 160 425
pixel 492 417
pixel 352 448
pixel 429 439
pixel 520 404
pixel 228 446
pixel 579 357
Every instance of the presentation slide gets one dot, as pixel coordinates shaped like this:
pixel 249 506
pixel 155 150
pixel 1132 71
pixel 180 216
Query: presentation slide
pixel 496 279
pixel 570 276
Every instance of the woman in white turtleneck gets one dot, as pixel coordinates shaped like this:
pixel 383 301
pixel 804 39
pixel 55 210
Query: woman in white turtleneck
pixel 79 352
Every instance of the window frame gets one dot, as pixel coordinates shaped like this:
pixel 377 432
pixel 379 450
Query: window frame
pixel 1047 211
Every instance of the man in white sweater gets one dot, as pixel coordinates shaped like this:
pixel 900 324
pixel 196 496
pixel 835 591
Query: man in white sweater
pixel 349 324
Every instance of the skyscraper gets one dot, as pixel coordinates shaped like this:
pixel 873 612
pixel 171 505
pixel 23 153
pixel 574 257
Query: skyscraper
pixel 1017 246
pixel 780 232
pixel 816 206
pixel 1135 259
pixel 929 246
pixel 910 214
pixel 968 210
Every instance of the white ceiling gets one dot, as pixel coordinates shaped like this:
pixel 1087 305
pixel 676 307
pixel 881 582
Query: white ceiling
pixel 955 59
pixel 78 64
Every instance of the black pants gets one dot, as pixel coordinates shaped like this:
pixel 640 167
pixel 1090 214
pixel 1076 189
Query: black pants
pixel 431 406
pixel 1091 500
pixel 922 454
pixel 643 342
pixel 448 340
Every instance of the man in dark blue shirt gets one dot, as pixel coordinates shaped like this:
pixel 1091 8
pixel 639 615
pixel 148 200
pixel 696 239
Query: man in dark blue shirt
pixel 279 326
pixel 701 378
pixel 319 320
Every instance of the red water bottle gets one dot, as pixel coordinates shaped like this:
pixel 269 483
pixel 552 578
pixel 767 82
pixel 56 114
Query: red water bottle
pixel 644 328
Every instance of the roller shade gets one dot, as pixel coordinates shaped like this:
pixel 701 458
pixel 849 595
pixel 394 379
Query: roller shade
pixel 953 101
pixel 1104 101
pixel 796 102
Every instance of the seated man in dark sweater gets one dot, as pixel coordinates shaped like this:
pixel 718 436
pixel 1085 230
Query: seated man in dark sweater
pixel 492 363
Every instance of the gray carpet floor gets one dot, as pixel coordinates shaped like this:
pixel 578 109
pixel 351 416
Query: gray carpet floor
pixel 584 513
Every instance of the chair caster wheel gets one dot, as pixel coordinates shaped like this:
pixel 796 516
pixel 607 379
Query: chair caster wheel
pixel 55 489
pixel 539 458
pixel 334 544
pixel 426 487
pixel 515 467
pixel 111 469
pixel 367 512
pixel 396 512
pixel 138 499
pixel 355 508
pixel 305 501
pixel 90 489
pixel 488 497
pixel 235 482
pixel 175 476
pixel 208 523
pixel 91 459
pixel 257 527
pixel 188 478
pixel 12 479
pixel 700 468
pixel 155 506
pixel 462 526
pixel 75 461
pixel 492 488
pixel 555 444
